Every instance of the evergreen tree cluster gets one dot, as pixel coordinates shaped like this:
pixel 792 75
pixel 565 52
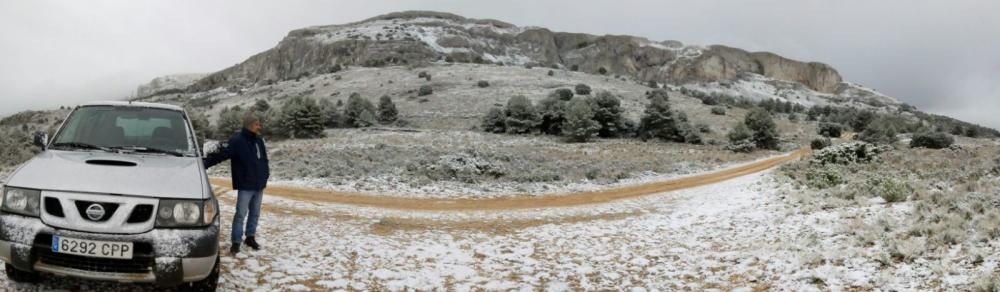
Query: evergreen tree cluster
pixel 580 118
pixel 301 117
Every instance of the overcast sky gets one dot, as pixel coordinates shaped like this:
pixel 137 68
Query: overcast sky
pixel 941 56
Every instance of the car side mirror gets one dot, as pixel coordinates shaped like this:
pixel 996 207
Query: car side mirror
pixel 41 139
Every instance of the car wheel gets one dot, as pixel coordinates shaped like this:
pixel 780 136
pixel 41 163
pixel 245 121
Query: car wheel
pixel 208 284
pixel 20 276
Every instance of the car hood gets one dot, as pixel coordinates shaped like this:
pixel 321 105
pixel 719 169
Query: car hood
pixel 112 173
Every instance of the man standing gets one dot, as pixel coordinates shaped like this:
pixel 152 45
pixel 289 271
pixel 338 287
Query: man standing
pixel 249 169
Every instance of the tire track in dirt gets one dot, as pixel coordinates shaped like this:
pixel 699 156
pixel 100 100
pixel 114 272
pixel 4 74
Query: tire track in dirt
pixel 500 204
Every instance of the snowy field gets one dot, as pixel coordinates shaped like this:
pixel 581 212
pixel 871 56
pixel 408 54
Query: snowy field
pixel 468 164
pixel 734 235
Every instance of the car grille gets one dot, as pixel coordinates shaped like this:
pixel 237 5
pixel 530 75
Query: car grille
pixel 141 263
pixel 109 209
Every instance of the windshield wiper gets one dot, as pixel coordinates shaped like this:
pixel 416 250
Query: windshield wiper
pixel 144 149
pixel 79 145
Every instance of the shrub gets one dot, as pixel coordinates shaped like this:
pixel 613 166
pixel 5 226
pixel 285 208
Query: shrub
pixel 608 114
pixel 15 146
pixel 740 139
pixel 260 106
pixel 301 117
pixel 230 121
pixel 202 127
pixel 848 153
pixel 719 111
pixel 552 73
pixel 658 93
pixel 881 131
pixel 830 130
pixel 602 71
pixel 494 121
pixel 521 115
pixel 932 140
pixel 861 120
pixel 483 84
pixel 553 113
pixel 579 125
pixel 423 74
pixel 425 90
pixel 710 100
pixel 564 94
pixel 819 143
pixel 359 112
pixel 889 189
pixel 652 84
pixel 336 68
pixel 582 89
pixel 823 177
pixel 387 112
pixel 765 134
pixel 574 68
pixel 703 128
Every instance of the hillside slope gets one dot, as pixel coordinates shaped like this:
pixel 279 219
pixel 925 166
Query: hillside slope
pixel 418 38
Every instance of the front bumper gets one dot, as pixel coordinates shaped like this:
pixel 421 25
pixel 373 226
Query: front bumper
pixel 162 256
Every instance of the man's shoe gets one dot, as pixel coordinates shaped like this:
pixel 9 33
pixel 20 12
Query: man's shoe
pixel 251 243
pixel 235 249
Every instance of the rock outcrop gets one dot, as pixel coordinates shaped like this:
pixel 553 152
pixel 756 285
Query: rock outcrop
pixel 167 84
pixel 414 38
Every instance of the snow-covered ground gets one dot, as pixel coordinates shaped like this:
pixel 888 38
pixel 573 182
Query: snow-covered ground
pixel 735 235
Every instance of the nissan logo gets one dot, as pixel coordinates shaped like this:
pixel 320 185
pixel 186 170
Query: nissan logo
pixel 95 212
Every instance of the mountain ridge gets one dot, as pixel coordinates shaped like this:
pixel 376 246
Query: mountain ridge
pixel 424 37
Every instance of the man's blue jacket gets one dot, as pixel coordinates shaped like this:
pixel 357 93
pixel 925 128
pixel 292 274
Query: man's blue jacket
pixel 248 164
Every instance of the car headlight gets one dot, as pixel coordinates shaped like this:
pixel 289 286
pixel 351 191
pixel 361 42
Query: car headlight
pixel 21 201
pixel 184 213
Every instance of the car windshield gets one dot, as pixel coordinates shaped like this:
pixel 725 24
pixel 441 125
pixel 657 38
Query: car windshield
pixel 126 129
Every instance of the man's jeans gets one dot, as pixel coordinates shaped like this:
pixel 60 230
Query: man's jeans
pixel 246 202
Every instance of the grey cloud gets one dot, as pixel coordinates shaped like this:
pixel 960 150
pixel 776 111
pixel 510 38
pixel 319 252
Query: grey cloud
pixel 937 55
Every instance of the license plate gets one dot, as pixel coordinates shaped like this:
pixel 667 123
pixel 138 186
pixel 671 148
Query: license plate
pixel 92 248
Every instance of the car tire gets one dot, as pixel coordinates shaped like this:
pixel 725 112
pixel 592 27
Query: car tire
pixel 20 276
pixel 209 284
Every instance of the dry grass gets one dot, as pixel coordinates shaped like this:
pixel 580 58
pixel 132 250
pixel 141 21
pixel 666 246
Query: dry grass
pixel 953 200
pixel 478 159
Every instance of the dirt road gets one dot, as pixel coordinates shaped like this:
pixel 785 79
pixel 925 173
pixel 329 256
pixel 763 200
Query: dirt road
pixel 525 202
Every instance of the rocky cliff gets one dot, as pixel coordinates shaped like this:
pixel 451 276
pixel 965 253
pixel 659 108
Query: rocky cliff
pixel 415 38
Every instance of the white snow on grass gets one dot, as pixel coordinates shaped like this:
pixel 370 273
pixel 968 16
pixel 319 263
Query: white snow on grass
pixel 740 234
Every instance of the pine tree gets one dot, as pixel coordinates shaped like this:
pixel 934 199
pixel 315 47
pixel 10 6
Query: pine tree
pixel 521 115
pixel 355 113
pixel 765 132
pixel 608 114
pixel 387 113
pixel 331 116
pixel 579 125
pixel 553 113
pixel 302 117
pixel 658 122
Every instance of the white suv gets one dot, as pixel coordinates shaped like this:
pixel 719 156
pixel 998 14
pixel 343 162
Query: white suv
pixel 118 194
